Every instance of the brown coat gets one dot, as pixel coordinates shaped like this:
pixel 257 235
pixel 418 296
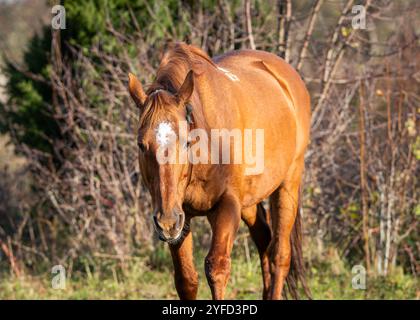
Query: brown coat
pixel 239 90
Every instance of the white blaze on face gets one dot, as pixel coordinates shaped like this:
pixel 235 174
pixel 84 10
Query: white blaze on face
pixel 164 133
pixel 229 74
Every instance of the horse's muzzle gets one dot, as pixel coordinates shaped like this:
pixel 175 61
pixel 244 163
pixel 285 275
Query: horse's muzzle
pixel 169 228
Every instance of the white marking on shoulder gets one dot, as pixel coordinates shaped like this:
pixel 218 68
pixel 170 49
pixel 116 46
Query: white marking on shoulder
pixel 164 132
pixel 229 74
pixel 156 91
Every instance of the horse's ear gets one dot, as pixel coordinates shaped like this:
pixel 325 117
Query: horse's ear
pixel 187 88
pixel 136 90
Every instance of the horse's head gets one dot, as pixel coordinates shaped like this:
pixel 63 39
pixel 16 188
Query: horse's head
pixel 161 140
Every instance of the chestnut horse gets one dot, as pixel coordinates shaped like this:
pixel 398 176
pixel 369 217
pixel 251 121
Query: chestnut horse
pixel 238 90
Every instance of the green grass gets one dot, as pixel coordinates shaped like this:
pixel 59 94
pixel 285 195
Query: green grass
pixel 151 278
pixel 327 285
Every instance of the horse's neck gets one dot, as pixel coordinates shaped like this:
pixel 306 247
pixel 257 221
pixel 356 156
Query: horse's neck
pixel 205 116
pixel 209 100
pixel 199 106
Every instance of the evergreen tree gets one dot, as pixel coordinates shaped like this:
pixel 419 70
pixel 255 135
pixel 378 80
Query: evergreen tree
pixel 28 113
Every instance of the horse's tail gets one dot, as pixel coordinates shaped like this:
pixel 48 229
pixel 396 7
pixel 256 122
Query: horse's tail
pixel 297 267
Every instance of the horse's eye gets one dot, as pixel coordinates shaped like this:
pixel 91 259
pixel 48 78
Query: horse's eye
pixel 142 147
pixel 187 144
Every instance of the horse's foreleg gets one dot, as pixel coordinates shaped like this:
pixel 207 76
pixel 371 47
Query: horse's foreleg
pixel 224 222
pixel 186 277
pixel 283 209
pixel 254 218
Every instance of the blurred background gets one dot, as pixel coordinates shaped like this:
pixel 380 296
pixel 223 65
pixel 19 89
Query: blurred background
pixel 70 193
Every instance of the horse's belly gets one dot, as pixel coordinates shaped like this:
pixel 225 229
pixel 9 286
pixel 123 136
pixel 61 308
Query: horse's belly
pixel 279 152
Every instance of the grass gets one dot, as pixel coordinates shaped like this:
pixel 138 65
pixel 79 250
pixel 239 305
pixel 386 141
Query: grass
pixel 151 278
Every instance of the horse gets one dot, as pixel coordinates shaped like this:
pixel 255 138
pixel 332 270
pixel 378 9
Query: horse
pixel 239 90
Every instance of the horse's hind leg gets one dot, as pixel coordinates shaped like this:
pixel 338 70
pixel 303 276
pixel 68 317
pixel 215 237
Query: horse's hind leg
pixel 186 277
pixel 283 210
pixel 255 219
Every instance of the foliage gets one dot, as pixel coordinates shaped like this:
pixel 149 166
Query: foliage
pixel 28 113
pixel 69 113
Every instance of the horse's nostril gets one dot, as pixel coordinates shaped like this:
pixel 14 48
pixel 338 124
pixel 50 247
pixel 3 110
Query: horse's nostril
pixel 170 226
pixel 156 222
pixel 179 221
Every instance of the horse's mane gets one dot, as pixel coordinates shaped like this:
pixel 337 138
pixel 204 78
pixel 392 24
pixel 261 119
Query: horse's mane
pixel 177 61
